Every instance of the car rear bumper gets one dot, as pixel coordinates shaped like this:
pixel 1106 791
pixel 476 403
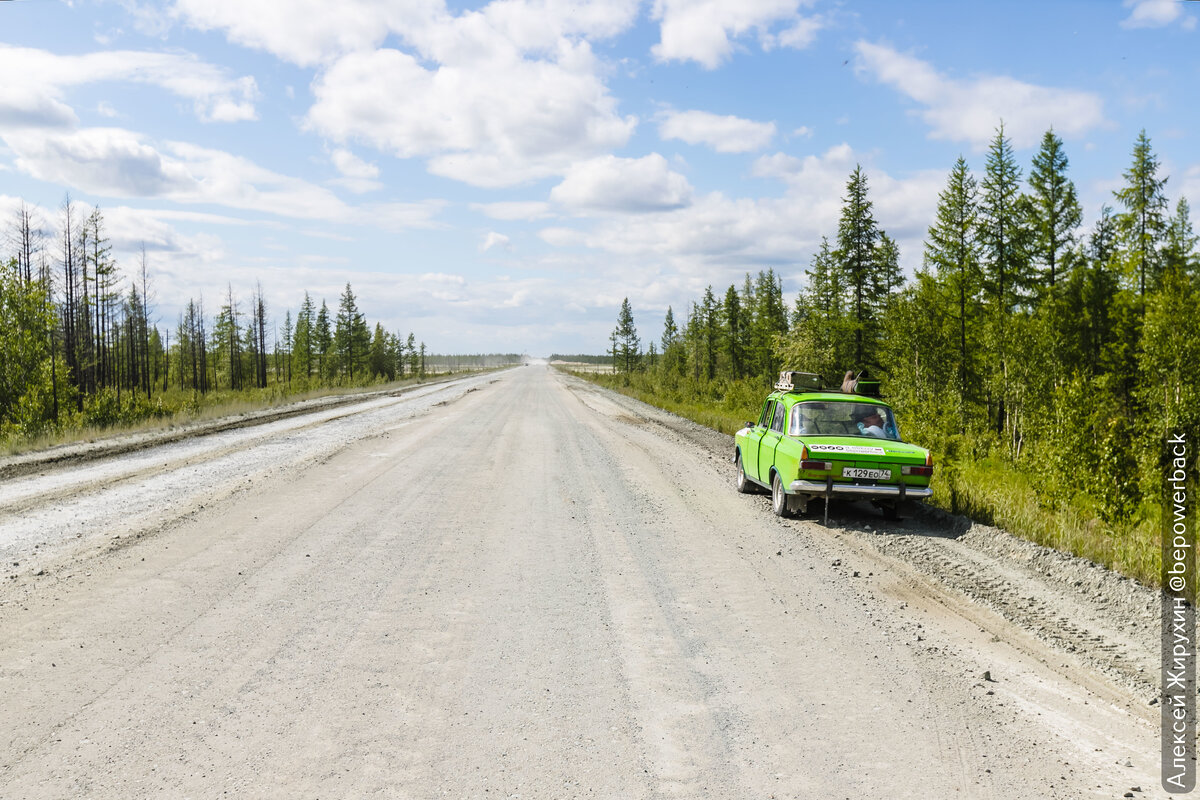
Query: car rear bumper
pixel 823 488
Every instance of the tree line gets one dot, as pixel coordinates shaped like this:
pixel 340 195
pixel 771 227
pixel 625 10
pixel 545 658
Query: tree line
pixel 1023 341
pixel 79 344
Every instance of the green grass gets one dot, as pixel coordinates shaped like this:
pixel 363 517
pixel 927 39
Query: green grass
pixel 991 491
pixel 995 492
pixel 176 408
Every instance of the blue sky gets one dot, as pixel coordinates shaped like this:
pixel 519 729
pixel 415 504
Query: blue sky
pixel 498 177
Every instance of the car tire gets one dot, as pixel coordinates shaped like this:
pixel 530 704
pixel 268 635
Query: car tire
pixel 743 483
pixel 779 499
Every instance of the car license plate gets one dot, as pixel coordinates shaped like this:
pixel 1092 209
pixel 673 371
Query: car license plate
pixel 873 474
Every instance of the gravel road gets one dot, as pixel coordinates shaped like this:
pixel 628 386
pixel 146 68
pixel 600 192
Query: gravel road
pixel 519 585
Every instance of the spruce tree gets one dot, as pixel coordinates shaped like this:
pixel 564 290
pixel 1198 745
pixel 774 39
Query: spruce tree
pixel 710 333
pixel 1090 293
pixel 1004 235
pixel 1056 210
pixel 380 365
pixel 670 331
pixel 734 330
pixel 288 345
pixel 1003 229
pixel 858 236
pixel 304 338
pixel 952 253
pixel 1142 224
pixel 887 266
pixel 768 321
pixel 1179 250
pixel 352 338
pixel 821 338
pixel 626 344
pixel 322 341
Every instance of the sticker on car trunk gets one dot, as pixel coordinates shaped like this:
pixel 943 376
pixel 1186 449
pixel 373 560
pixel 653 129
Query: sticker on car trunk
pixel 846 448
pixel 872 474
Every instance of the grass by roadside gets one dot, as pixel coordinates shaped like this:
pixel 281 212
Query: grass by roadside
pixel 987 490
pixel 176 409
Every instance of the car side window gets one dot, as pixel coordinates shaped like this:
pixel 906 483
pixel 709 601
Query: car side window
pixel 797 425
pixel 777 422
pixel 764 419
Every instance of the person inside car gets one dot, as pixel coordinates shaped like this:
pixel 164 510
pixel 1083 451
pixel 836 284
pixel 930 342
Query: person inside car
pixel 871 424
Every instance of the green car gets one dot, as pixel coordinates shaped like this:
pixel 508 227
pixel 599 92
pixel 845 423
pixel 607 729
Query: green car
pixel 825 443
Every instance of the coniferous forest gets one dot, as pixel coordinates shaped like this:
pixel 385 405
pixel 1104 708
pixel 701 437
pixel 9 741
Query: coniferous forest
pixel 1044 364
pixel 81 346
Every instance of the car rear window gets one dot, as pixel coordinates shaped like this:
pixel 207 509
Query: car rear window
pixel 842 419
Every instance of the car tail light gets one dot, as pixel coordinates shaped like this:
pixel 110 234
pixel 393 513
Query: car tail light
pixel 803 452
pixel 925 471
pixel 823 466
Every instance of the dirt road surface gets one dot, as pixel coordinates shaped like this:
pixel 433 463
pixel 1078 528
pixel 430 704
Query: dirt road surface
pixel 521 586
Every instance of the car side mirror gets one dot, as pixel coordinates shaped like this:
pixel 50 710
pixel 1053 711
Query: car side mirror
pixel 749 424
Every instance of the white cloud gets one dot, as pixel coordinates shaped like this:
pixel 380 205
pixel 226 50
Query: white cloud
pixel 1156 14
pixel 38 98
pixel 399 216
pixel 129 228
pixel 304 32
pixel 704 30
pixel 528 25
pixel 357 175
pixel 493 97
pixel 494 239
pixel 113 162
pixel 716 237
pixel 623 185
pixel 513 210
pixel 501 123
pixel 313 32
pixel 725 134
pixel 970 110
pixel 563 237
pixel 802 34
pixel 351 166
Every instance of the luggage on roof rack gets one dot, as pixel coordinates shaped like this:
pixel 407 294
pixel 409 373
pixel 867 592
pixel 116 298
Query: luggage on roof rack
pixel 870 388
pixel 790 381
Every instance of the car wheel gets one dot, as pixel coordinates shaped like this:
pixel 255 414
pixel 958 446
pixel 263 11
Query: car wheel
pixel 744 484
pixel 779 498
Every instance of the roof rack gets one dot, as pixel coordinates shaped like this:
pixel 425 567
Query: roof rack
pixel 798 381
pixel 792 381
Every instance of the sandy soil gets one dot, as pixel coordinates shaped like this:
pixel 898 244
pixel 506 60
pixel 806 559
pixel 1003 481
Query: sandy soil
pixel 519 585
